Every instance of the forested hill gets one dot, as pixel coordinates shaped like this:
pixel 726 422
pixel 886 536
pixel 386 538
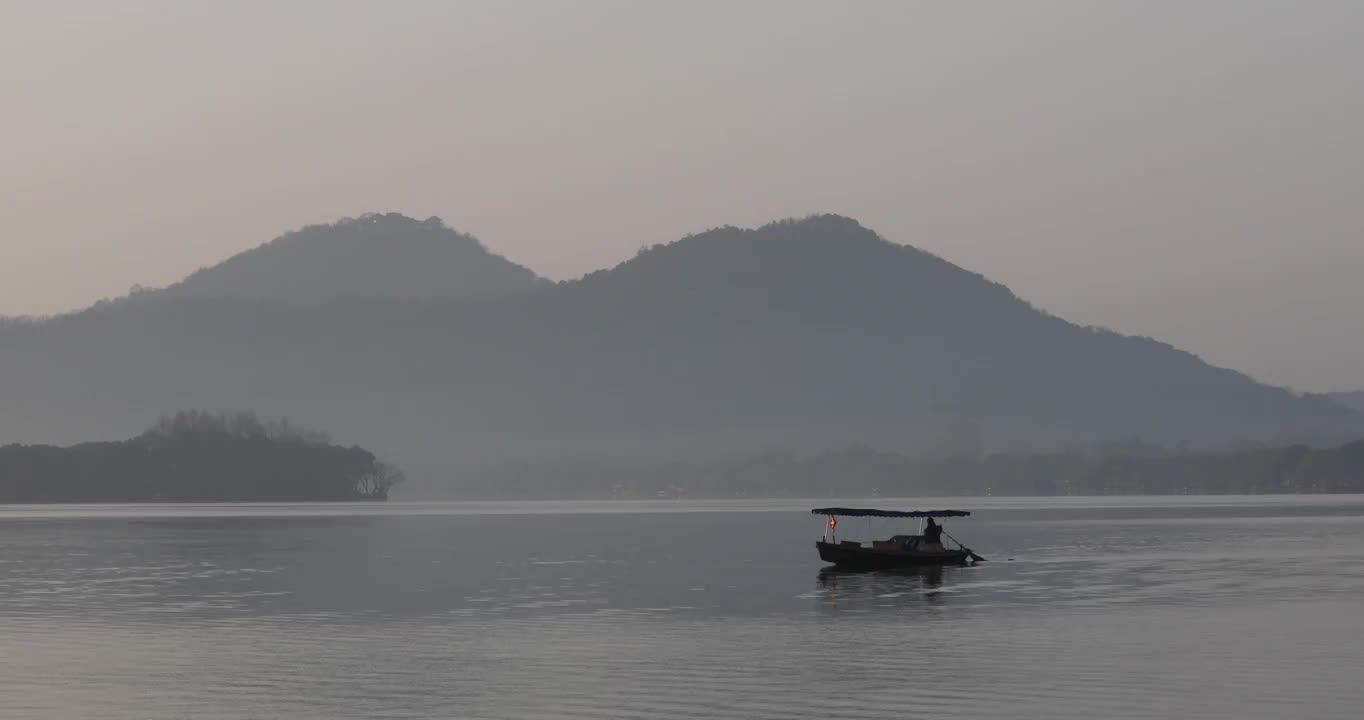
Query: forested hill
pixel 820 328
pixel 374 256
pixel 196 457
pixel 803 335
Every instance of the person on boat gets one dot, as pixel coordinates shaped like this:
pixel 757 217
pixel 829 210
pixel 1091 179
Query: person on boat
pixel 932 537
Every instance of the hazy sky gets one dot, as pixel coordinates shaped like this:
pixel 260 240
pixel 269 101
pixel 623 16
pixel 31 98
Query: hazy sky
pixel 1192 171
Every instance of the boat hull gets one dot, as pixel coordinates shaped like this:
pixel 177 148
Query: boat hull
pixel 851 556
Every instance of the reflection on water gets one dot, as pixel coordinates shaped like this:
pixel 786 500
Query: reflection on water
pixel 1236 608
pixel 863 589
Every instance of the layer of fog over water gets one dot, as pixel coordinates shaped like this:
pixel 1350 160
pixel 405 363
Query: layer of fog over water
pixel 1227 607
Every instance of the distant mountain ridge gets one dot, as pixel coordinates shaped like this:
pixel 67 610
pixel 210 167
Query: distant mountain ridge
pixel 828 318
pixel 1354 400
pixel 801 334
pixel 374 256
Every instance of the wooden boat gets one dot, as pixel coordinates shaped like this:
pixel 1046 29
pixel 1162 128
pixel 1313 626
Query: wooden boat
pixel 898 551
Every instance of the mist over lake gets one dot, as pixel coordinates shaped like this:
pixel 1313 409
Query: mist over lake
pixel 1194 607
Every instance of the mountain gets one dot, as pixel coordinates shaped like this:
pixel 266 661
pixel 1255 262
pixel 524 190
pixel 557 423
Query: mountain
pixel 1353 400
pixel 374 256
pixel 800 335
pixel 823 322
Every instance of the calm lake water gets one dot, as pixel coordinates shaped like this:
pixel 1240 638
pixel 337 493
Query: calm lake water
pixel 1227 607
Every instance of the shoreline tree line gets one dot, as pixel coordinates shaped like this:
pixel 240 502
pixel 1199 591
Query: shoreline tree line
pixel 861 471
pixel 196 456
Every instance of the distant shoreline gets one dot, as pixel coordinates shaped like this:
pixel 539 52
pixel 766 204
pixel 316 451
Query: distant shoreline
pixel 685 498
pixel 828 498
pixel 860 471
pixel 196 458
pixel 529 506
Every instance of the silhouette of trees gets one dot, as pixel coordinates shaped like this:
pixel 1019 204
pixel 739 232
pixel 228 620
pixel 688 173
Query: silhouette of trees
pixel 858 471
pixel 197 456
pixel 376 483
pixel 235 424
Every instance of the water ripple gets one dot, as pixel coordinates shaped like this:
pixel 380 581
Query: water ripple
pixel 1106 612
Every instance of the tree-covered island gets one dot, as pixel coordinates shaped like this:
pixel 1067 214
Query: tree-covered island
pixel 197 457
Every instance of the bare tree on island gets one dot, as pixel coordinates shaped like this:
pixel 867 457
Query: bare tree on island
pixel 376 483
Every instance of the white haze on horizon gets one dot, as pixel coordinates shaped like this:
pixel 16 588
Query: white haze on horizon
pixel 1187 170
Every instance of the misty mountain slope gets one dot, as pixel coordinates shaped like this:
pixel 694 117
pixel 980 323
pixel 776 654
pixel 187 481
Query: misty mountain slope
pixel 802 334
pixel 824 270
pixel 1353 400
pixel 374 256
pixel 822 318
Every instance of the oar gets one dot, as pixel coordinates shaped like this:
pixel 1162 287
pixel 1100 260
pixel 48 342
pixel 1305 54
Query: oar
pixel 972 555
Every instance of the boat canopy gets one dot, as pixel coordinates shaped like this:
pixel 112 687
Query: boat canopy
pixel 869 512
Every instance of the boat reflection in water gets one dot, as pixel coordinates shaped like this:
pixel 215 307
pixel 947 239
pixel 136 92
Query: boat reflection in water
pixel 850 589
